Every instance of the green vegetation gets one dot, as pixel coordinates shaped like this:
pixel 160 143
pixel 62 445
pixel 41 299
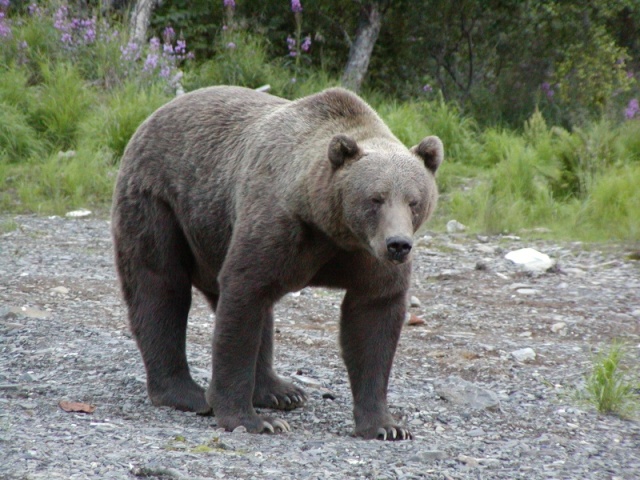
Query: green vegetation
pixel 607 386
pixel 69 104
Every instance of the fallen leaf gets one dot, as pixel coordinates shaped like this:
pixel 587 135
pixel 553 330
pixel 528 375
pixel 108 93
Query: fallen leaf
pixel 76 407
pixel 415 320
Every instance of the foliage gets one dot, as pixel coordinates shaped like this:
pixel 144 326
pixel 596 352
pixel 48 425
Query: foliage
pixel 607 386
pixel 522 153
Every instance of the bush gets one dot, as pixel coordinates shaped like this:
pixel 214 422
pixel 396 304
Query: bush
pixel 18 139
pixel 59 104
pixel 112 124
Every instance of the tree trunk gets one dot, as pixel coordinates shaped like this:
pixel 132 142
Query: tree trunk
pixel 140 18
pixel 361 48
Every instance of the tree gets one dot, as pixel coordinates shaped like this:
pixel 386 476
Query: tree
pixel 371 14
pixel 140 19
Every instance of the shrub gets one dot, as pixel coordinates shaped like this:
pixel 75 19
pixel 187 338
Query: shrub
pixel 607 387
pixel 112 124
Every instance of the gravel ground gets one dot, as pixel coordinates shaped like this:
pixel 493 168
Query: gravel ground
pixel 63 336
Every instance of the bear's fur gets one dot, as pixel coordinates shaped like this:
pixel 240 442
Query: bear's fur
pixel 247 197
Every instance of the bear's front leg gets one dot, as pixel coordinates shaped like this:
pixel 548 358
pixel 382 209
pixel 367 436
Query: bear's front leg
pixel 240 317
pixel 369 333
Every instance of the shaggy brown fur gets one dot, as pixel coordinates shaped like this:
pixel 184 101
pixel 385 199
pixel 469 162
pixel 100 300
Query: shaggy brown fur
pixel 248 197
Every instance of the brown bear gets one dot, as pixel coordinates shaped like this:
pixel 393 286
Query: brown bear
pixel 247 197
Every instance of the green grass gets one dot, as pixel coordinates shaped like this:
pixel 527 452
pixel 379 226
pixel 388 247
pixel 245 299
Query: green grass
pixel 608 387
pixel 580 183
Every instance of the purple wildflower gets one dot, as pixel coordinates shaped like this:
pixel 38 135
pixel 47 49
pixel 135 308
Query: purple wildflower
pixel 168 34
pixel 4 4
pixel 165 71
pixel 181 47
pixel 5 29
pixel 231 45
pixel 296 6
pixel 547 90
pixel 632 109
pixel 629 74
pixel 291 45
pixel 427 88
pixel 151 63
pixel 167 49
pixel 154 44
pixel 34 10
pixel 130 53
pixel 229 4
pixel 306 44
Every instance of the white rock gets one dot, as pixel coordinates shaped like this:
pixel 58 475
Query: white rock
pixel 527 291
pixel 61 289
pixel 524 355
pixel 530 259
pixel 454 226
pixel 415 302
pixel 558 327
pixel 78 213
pixel 636 313
pixel 467 460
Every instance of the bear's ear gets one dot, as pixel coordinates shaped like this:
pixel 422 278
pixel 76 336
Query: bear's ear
pixel 431 151
pixel 341 149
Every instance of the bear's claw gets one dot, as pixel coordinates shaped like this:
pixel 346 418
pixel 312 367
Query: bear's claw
pixel 394 433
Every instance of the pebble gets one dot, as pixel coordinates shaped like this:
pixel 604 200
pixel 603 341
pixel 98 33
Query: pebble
pixel 527 291
pixel 468 461
pixel 415 302
pixel 461 392
pixel 454 226
pixel 524 355
pixel 61 289
pixel 559 327
pixel 427 456
pixel 476 432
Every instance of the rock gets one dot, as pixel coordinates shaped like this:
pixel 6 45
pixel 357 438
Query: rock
pixel 559 327
pixel 460 392
pixel 30 312
pixel 240 429
pixel 454 226
pixel 636 313
pixel 67 154
pixel 527 291
pixel 482 265
pixel 427 456
pixel 476 432
pixel 415 320
pixel 312 382
pixel 524 355
pixel 468 461
pixel 530 259
pixel 61 289
pixel 78 213
pixel 488 249
pixel 415 302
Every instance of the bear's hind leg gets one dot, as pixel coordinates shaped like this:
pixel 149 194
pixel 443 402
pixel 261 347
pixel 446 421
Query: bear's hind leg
pixel 154 263
pixel 270 390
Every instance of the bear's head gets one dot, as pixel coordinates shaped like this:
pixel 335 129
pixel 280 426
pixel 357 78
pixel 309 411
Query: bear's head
pixel 386 191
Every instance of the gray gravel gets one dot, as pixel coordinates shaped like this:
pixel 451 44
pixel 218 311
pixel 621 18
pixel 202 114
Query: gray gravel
pixel 63 336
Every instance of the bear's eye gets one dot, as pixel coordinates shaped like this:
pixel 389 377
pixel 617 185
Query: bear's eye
pixel 377 200
pixel 413 204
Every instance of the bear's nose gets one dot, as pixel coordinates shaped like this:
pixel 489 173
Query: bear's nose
pixel 399 247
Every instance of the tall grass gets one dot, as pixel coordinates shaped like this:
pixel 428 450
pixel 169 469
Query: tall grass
pixel 608 387
pixel 87 99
